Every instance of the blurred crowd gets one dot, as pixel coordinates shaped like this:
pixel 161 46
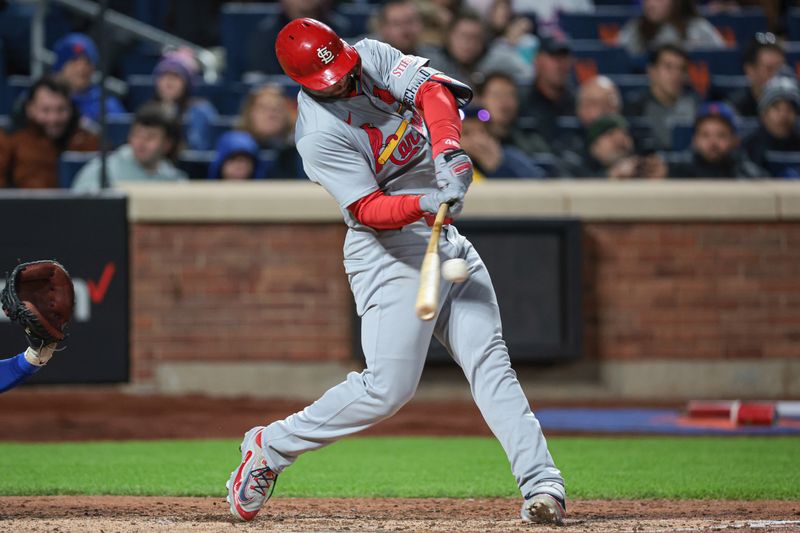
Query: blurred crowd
pixel 534 114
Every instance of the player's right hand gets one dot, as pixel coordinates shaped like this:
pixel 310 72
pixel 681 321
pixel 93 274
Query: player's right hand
pixel 450 195
pixel 453 168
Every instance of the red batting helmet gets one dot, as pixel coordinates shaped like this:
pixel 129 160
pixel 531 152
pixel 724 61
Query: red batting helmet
pixel 313 55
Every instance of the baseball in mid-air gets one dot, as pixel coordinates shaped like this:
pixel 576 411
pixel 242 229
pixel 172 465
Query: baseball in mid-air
pixel 455 270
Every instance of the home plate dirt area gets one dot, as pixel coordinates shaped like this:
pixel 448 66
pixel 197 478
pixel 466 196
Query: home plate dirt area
pixel 150 514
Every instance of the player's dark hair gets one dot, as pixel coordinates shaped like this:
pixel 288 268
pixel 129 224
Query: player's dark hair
pixel 156 115
pixel 490 77
pixel 760 41
pixel 654 56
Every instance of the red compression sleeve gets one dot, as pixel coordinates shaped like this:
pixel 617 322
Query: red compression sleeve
pixel 439 109
pixel 381 212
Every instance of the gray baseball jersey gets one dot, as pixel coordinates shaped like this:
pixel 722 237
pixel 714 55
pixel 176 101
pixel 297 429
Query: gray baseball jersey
pixel 340 142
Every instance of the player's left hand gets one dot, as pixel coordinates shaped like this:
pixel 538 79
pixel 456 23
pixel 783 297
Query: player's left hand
pixel 454 169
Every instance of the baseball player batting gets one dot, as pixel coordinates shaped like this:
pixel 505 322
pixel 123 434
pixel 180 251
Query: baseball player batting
pixel 380 131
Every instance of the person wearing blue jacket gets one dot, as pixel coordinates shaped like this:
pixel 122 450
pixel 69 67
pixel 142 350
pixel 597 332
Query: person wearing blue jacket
pixel 237 158
pixel 76 60
pixel 17 369
pixel 174 78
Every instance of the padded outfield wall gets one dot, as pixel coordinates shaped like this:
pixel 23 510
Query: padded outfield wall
pixel 688 289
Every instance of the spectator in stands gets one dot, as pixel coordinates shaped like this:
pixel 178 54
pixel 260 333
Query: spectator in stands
pixel 76 60
pixel 399 23
pixel 152 137
pixel 666 101
pixel 261 44
pixel 446 10
pixel 499 98
pixel 29 156
pixel 237 158
pixel 611 154
pixel 715 150
pixel 551 95
pixel 777 132
pixel 492 159
pixel 596 97
pixel 764 57
pixel 268 116
pixel 433 24
pixel 174 77
pixel 468 55
pixel 512 29
pixel 668 21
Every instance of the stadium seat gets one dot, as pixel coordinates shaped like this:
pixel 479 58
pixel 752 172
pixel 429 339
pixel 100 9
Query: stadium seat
pixel 69 164
pixel 117 127
pixel 15 30
pixel 739 28
pixel 16 86
pixel 548 162
pixel 5 105
pixel 682 136
pixel 226 96
pixel 601 25
pixel 592 58
pixel 629 84
pixel 794 24
pixel 793 55
pixel 237 22
pixel 784 164
pixel 195 163
pixel 358 15
pixel 727 62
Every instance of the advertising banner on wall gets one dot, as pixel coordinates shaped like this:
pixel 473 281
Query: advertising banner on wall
pixel 535 266
pixel 89 236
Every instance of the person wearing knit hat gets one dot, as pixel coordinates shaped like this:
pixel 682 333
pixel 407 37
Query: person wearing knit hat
pixel 174 78
pixel 237 158
pixel 777 112
pixel 715 150
pixel 611 153
pixel 76 60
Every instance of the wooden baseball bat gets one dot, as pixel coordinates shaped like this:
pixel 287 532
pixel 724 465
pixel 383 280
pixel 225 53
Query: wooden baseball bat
pixel 428 293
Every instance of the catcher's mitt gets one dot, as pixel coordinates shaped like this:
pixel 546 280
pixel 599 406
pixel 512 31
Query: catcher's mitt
pixel 40 297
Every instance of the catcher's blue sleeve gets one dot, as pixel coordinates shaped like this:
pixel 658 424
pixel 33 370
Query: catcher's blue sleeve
pixel 14 371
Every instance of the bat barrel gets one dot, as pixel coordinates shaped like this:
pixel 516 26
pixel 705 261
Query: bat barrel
pixel 428 293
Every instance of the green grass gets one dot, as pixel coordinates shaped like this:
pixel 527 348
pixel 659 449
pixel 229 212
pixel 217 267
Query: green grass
pixel 728 468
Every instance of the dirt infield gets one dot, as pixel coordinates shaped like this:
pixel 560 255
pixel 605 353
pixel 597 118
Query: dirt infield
pixel 128 514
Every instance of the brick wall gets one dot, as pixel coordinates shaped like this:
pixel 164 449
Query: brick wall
pixel 221 292
pixel 237 292
pixel 673 290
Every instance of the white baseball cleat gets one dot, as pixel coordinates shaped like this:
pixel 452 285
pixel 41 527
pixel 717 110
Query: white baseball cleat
pixel 252 483
pixel 544 508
